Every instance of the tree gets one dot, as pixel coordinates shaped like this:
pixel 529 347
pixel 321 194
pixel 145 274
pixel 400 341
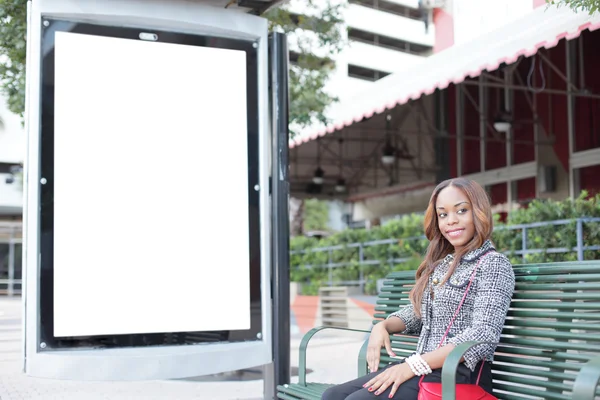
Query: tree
pixel 317 36
pixel 316 215
pixel 308 73
pixel 590 6
pixel 13 33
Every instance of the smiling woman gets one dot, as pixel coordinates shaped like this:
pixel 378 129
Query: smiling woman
pixel 462 293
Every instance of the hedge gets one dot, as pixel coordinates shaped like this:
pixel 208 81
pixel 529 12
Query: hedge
pixel 404 244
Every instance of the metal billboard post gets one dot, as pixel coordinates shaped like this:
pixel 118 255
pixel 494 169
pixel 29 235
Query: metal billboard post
pixel 280 201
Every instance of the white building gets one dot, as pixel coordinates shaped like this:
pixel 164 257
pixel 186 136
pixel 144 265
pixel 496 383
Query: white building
pixel 383 37
pixel 12 155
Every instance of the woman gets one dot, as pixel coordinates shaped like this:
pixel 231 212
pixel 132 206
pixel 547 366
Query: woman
pixel 458 223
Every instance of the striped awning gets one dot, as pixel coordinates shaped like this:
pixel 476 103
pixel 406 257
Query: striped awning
pixel 542 28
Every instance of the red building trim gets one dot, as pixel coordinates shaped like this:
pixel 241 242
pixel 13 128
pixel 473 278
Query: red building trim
pixel 444 30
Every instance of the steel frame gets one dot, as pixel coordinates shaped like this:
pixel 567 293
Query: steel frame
pixel 507 81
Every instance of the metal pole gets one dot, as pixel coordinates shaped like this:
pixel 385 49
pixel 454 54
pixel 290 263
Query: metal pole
pixel 11 264
pixel 442 137
pixel 483 116
pixel 280 201
pixel 329 261
pixel 524 246
pixel 508 106
pixel 570 62
pixel 536 138
pixel 460 113
pixel 579 239
pixel 361 259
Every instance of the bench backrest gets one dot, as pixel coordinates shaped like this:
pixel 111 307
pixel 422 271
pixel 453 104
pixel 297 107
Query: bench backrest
pixel 552 328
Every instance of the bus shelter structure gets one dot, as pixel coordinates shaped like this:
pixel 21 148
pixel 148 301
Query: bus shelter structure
pixel 517 109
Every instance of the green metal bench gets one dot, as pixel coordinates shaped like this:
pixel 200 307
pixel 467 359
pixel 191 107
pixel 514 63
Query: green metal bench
pixel 550 345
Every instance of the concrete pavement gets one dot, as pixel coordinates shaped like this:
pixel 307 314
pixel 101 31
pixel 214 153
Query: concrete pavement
pixel 331 357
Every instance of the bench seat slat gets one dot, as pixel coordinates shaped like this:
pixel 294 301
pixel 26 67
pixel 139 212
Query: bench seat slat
pixel 525 372
pixel 557 286
pixel 551 334
pixel 535 362
pixel 554 345
pixel 549 386
pixel 553 324
pixel 545 353
pixel 526 391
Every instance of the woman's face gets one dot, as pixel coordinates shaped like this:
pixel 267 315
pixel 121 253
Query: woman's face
pixel 455 216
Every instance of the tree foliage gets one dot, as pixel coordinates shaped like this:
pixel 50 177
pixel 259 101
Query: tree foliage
pixel 590 6
pixel 315 38
pixel 308 74
pixel 406 245
pixel 13 34
pixel 316 215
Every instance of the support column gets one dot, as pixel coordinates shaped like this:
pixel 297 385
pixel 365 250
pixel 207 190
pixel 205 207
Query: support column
pixel 442 150
pixel 483 116
pixel 460 115
pixel 536 140
pixel 280 229
pixel 570 55
pixel 508 106
pixel 11 263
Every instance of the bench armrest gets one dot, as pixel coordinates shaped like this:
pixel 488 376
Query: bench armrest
pixel 451 365
pixel 586 382
pixel 304 345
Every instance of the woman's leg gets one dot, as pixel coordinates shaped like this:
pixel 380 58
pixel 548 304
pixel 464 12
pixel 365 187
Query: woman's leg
pixel 409 390
pixel 342 391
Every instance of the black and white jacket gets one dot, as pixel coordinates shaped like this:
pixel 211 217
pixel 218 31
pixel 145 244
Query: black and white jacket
pixel 482 315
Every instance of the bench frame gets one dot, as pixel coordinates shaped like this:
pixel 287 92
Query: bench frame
pixel 584 387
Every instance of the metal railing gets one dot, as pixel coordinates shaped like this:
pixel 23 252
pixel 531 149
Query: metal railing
pixel 10 266
pixel 362 262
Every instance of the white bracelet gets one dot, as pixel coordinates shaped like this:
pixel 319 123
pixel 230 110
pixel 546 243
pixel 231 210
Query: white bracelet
pixel 411 363
pixel 427 368
pixel 418 365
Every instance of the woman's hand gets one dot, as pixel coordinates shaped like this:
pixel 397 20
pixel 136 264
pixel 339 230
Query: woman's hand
pixel 379 338
pixel 393 376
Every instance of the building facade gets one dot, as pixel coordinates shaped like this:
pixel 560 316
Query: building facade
pixel 532 70
pixel 383 37
pixel 12 156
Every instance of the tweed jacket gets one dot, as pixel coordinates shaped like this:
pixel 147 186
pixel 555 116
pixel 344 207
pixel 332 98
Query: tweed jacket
pixel 482 314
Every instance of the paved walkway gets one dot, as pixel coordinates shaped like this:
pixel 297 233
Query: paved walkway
pixel 324 356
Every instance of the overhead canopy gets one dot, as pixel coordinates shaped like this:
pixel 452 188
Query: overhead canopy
pixel 249 6
pixel 542 28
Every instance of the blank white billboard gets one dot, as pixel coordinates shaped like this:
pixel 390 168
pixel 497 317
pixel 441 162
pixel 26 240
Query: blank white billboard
pixel 150 188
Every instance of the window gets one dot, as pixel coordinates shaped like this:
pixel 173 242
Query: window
pixel 367 74
pixel 392 8
pixel 388 42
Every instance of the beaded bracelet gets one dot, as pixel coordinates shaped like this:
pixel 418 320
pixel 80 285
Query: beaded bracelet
pixel 424 364
pixel 418 365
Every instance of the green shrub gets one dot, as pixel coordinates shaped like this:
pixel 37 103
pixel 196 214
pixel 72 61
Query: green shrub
pixel 405 244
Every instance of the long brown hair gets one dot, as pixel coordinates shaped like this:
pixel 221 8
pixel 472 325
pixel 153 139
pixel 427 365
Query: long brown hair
pixel 439 247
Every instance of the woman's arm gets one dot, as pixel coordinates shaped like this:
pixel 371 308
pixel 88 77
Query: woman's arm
pixel 394 325
pixel 404 321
